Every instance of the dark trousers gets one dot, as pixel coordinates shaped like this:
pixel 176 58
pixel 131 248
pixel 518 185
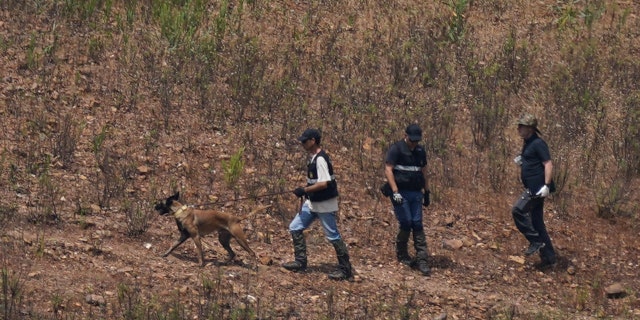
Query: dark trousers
pixel 528 215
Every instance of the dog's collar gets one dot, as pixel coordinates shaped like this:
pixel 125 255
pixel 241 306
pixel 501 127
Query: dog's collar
pixel 179 212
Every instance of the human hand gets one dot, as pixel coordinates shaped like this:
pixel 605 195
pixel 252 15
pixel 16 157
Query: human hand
pixel 426 199
pixel 299 192
pixel 543 192
pixel 397 198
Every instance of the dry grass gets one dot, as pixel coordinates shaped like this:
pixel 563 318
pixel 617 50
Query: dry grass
pixel 99 88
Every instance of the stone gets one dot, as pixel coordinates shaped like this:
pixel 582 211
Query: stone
pixel 95 300
pixel 267 261
pixel 453 244
pixel 615 291
pixel 517 259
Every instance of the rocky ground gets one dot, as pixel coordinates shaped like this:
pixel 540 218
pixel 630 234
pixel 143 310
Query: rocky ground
pixel 65 256
pixel 479 271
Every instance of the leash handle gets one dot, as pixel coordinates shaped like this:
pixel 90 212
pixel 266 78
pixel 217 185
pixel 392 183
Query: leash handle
pixel 301 204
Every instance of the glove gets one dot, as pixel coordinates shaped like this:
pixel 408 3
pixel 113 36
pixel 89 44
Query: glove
pixel 518 160
pixel 543 192
pixel 299 192
pixel 426 201
pixel 397 198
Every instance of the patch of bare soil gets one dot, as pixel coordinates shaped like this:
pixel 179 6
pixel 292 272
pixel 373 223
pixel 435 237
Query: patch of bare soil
pixel 80 261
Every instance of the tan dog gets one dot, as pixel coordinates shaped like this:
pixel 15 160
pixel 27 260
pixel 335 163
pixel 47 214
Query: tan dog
pixel 195 224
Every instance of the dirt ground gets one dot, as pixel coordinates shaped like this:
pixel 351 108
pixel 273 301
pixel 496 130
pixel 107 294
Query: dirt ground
pixel 82 262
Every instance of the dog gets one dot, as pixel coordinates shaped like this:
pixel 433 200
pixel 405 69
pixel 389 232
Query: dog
pixel 194 223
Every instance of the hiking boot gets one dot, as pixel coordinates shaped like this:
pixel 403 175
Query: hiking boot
pixel 344 271
pixel 299 251
pixel 547 264
pixel 295 266
pixel 533 248
pixel 420 244
pixel 548 261
pixel 402 253
pixel 423 267
pixel 407 261
pixel 340 275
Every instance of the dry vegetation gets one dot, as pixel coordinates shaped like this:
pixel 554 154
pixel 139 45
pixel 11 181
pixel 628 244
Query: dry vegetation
pixel 107 106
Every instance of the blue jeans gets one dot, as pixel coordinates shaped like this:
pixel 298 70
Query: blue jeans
pixel 305 217
pixel 409 213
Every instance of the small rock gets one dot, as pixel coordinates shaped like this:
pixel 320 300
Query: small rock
pixel 267 261
pixel 95 209
pixel 95 300
pixel 449 221
pixel 143 169
pixel 286 283
pixel 442 316
pixel 467 241
pixel 571 270
pixel 453 244
pixel 615 291
pixel 517 259
pixel 99 234
pixel 125 270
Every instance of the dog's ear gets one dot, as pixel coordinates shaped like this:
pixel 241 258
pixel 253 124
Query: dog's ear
pixel 175 196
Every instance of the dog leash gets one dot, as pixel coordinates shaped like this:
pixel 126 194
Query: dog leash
pixel 241 198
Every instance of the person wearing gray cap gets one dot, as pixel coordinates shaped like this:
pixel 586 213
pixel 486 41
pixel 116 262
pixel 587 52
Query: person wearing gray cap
pixel 321 193
pixel 408 188
pixel 536 174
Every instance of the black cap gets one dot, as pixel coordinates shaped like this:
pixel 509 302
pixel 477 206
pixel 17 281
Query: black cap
pixel 309 134
pixel 414 132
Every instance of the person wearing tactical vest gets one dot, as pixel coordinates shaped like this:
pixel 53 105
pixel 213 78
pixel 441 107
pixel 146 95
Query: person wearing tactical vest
pixel 406 173
pixel 536 174
pixel 321 193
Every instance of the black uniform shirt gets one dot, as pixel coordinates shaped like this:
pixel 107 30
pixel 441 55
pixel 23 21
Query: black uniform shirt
pixel 534 152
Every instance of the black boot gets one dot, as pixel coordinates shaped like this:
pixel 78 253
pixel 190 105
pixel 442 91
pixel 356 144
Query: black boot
pixel 344 271
pixel 299 251
pixel 420 243
pixel 402 253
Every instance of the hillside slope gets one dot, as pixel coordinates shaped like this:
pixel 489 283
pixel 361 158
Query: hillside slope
pixel 110 106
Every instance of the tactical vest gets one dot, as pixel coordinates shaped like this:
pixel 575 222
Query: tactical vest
pixel 312 178
pixel 407 170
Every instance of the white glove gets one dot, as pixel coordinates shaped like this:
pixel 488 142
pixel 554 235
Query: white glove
pixel 518 160
pixel 543 192
pixel 397 198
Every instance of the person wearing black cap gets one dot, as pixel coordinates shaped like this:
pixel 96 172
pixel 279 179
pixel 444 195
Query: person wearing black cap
pixel 406 173
pixel 536 172
pixel 321 193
